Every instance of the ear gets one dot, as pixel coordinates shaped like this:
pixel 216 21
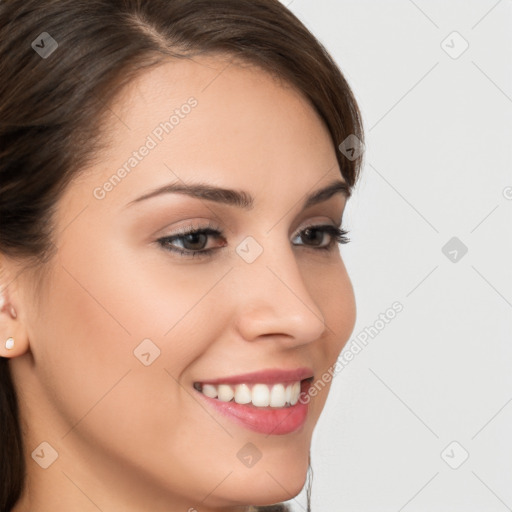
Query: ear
pixel 13 335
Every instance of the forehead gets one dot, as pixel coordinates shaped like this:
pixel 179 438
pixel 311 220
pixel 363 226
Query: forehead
pixel 232 97
pixel 229 123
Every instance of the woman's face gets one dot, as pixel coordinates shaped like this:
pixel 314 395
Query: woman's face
pixel 131 336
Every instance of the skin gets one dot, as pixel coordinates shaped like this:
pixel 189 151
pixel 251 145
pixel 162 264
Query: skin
pixel 131 437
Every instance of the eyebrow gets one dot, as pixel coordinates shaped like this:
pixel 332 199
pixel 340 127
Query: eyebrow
pixel 239 198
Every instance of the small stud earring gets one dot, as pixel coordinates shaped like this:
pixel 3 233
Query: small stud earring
pixel 9 344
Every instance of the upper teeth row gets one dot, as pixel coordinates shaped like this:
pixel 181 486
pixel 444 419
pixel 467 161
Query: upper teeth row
pixel 261 395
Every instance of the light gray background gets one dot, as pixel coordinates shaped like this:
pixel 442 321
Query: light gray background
pixel 437 163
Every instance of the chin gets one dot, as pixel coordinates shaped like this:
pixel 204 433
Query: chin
pixel 279 479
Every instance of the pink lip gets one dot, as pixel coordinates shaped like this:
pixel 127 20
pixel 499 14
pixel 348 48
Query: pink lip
pixel 271 376
pixel 266 420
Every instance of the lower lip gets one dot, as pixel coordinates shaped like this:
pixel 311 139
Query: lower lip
pixel 266 420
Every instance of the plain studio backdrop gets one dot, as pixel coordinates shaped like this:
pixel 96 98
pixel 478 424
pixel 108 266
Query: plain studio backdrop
pixel 420 413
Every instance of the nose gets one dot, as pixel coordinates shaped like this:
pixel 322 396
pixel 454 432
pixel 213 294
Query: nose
pixel 274 302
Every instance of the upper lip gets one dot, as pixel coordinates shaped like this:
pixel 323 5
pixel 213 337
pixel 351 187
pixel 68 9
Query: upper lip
pixel 268 376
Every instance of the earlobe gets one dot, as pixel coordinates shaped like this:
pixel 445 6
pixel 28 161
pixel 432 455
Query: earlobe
pixel 14 344
pixel 12 347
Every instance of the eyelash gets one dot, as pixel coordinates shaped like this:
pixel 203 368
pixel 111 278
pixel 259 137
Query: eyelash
pixel 339 236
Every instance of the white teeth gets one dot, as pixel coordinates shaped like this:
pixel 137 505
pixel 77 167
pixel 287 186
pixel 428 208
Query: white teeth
pixel 261 395
pixel 225 393
pixel 277 396
pixel 295 393
pixel 210 391
pixel 243 394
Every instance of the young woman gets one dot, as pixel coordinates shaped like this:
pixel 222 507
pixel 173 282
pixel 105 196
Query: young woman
pixel 173 177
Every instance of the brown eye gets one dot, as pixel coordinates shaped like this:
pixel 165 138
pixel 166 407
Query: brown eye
pixel 192 241
pixel 311 235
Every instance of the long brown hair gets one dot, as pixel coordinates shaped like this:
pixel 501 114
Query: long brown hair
pixel 54 95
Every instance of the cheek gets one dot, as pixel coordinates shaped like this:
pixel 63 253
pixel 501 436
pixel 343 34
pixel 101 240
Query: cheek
pixel 333 293
pixel 112 313
pixel 82 344
pixel 170 305
pixel 122 296
pixel 343 311
pixel 94 320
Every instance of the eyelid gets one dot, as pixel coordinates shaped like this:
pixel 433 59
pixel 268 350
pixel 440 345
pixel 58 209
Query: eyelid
pixel 318 222
pixel 184 230
pixel 322 221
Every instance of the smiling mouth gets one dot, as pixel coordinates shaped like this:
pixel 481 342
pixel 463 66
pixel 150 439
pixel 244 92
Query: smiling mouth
pixel 278 395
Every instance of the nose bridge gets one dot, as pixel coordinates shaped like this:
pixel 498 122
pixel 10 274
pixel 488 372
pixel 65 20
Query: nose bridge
pixel 274 299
